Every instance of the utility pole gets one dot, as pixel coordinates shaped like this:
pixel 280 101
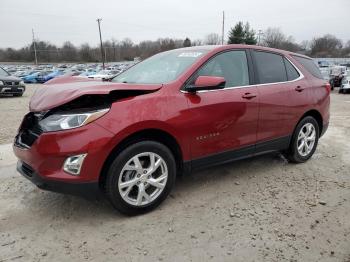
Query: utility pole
pixel 260 33
pixel 99 29
pixel 34 45
pixel 223 28
pixel 113 41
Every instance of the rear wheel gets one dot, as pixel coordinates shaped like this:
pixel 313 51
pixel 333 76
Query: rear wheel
pixel 141 177
pixel 304 140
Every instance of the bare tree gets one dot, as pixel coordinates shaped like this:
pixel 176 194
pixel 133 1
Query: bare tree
pixel 346 50
pixel 212 39
pixel 197 42
pixel 274 37
pixel 305 45
pixel 327 45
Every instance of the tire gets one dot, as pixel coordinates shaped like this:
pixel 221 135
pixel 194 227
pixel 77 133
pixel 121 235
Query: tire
pixel 300 156
pixel 125 168
pixel 340 91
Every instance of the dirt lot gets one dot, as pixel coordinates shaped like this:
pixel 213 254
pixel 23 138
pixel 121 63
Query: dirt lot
pixel 260 209
pixel 12 110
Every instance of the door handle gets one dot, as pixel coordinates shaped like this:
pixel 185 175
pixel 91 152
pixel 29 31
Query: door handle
pixel 248 96
pixel 299 88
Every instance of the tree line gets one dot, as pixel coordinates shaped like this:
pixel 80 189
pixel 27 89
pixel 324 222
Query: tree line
pixel 125 50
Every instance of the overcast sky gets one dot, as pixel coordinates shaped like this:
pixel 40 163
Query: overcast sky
pixel 75 20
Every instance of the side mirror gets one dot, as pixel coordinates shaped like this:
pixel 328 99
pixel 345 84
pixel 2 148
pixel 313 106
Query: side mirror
pixel 207 83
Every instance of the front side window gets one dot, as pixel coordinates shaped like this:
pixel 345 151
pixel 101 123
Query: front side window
pixel 270 67
pixel 292 73
pixel 161 68
pixel 231 65
pixel 3 72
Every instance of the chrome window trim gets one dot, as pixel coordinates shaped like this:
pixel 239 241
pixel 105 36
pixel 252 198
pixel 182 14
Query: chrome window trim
pixel 301 76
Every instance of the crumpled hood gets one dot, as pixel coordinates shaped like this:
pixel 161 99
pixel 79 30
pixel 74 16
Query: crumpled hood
pixel 57 93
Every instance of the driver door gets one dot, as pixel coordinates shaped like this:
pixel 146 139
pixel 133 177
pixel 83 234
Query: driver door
pixel 224 121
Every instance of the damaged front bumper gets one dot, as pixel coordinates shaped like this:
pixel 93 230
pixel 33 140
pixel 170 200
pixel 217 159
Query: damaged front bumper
pixel 43 161
pixel 86 189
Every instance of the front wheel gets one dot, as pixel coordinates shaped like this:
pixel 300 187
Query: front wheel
pixel 304 140
pixel 141 177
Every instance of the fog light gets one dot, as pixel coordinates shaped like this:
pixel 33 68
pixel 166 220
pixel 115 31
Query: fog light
pixel 73 164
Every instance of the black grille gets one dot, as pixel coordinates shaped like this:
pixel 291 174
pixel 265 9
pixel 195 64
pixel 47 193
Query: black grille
pixel 11 83
pixel 29 131
pixel 27 170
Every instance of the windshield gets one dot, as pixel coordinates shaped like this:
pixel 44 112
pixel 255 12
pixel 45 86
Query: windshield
pixel 161 68
pixel 3 72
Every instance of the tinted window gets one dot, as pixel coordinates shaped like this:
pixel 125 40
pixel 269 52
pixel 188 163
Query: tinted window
pixel 292 73
pixel 270 68
pixel 231 65
pixel 310 66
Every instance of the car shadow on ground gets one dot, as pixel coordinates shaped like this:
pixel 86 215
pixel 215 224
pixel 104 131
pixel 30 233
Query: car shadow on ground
pixel 76 208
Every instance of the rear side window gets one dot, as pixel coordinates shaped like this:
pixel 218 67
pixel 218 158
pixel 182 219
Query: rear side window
pixel 310 66
pixel 292 73
pixel 270 67
pixel 231 65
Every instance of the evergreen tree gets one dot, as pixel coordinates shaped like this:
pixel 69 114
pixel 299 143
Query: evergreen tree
pixel 250 38
pixel 242 34
pixel 187 42
pixel 236 34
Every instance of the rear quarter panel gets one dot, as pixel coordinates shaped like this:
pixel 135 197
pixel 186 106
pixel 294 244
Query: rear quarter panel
pixel 315 96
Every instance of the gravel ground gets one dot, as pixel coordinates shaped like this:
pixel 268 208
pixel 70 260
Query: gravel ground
pixel 260 209
pixel 12 110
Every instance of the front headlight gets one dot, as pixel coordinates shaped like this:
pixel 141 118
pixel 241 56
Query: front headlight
pixel 58 121
pixel 1 83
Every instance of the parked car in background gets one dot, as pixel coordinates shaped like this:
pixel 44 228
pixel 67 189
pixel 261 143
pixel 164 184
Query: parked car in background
pixel 104 74
pixel 44 77
pixel 23 74
pixel 325 73
pixel 345 85
pixel 172 113
pixel 323 64
pixel 10 85
pixel 31 78
pixel 87 73
pixel 337 74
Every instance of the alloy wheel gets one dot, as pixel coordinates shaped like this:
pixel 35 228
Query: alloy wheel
pixel 306 139
pixel 143 178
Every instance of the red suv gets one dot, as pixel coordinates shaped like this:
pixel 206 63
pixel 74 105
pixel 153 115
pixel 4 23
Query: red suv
pixel 170 114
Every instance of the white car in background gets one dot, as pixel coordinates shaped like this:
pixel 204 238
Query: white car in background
pixel 105 74
pixel 325 73
pixel 345 85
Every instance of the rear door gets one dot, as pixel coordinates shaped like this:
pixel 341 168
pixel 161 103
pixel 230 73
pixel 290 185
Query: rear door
pixel 226 119
pixel 280 87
